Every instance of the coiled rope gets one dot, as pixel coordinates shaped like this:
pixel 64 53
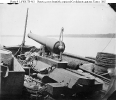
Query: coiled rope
pixel 107 60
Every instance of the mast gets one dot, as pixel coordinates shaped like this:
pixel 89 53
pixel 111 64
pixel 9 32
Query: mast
pixel 23 42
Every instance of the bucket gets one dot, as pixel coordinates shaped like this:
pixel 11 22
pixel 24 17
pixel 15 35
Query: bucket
pixel 6 58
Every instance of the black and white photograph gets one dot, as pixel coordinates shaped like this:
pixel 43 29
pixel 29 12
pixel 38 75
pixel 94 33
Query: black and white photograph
pixel 57 50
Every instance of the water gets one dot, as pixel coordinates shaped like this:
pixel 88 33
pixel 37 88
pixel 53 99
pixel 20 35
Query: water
pixel 78 46
pixel 48 19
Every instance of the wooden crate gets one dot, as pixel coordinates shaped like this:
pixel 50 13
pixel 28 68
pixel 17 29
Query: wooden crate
pixel 12 85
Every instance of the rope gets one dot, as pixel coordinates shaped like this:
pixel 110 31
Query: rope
pixel 107 60
pixel 61 35
pixel 108 43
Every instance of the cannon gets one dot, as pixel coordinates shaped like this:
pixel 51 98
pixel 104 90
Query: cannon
pixel 52 44
pixel 55 79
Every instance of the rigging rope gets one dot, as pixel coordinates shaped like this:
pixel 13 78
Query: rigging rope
pixel 108 43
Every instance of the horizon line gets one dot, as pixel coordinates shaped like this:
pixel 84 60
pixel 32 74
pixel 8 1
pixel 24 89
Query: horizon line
pixel 109 35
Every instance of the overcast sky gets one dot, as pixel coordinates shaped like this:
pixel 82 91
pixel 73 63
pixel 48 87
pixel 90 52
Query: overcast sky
pixel 47 19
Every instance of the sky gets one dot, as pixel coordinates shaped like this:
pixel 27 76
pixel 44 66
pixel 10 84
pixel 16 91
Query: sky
pixel 48 19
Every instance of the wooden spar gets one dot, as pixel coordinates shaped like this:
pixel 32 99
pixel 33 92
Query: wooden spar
pixel 78 57
pixel 23 42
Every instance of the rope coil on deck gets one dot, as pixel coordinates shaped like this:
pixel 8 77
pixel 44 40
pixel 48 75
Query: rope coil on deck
pixel 107 60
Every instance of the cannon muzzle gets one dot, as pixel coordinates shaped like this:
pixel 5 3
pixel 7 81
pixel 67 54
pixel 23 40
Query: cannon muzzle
pixel 52 44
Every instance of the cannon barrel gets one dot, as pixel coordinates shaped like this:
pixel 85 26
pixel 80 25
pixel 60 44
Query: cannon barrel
pixel 52 44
